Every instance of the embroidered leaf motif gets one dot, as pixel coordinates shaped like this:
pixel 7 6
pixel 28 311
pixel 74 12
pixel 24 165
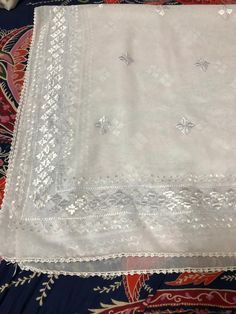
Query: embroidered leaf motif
pixel 147 288
pixel 194 278
pixel 47 286
pixel 229 278
pixel 111 287
pixel 20 281
pixel 126 59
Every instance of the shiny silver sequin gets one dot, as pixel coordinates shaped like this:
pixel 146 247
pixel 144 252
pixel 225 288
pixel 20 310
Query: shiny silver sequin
pixel 185 126
pixel 103 124
pixel 126 59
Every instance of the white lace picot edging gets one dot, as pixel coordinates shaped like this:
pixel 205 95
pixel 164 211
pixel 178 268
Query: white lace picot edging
pixel 22 262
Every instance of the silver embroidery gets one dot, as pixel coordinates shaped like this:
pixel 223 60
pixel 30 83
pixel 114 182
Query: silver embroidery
pixel 103 124
pixel 225 12
pixel 130 208
pixel 162 10
pixel 126 59
pixel 202 64
pixel 185 126
pixel 48 154
pixel 71 209
pixel 183 202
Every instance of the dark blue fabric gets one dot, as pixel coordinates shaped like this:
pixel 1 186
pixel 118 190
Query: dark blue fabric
pixel 23 14
pixel 71 295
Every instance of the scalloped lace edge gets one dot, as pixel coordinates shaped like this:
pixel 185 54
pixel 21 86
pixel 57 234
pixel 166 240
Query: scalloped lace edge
pixel 126 272
pixel 118 255
pixel 22 265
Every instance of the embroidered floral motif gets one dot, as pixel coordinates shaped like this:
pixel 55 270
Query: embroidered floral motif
pixel 79 203
pixel 185 203
pixel 126 59
pixel 104 124
pixel 225 12
pixel 162 10
pixel 203 64
pixel 71 209
pixel 185 126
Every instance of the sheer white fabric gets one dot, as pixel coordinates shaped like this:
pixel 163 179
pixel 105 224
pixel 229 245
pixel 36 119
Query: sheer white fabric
pixel 124 154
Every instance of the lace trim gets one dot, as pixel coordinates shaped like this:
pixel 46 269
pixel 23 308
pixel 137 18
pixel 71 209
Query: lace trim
pixel 122 272
pixel 133 272
pixel 112 256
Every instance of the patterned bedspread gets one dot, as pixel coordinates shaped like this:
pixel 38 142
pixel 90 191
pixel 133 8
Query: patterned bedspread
pixel 30 292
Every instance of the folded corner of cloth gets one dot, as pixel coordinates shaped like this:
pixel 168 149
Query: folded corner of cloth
pixel 123 156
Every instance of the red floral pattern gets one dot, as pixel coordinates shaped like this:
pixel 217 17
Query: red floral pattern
pixel 2 187
pixel 179 298
pixel 195 279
